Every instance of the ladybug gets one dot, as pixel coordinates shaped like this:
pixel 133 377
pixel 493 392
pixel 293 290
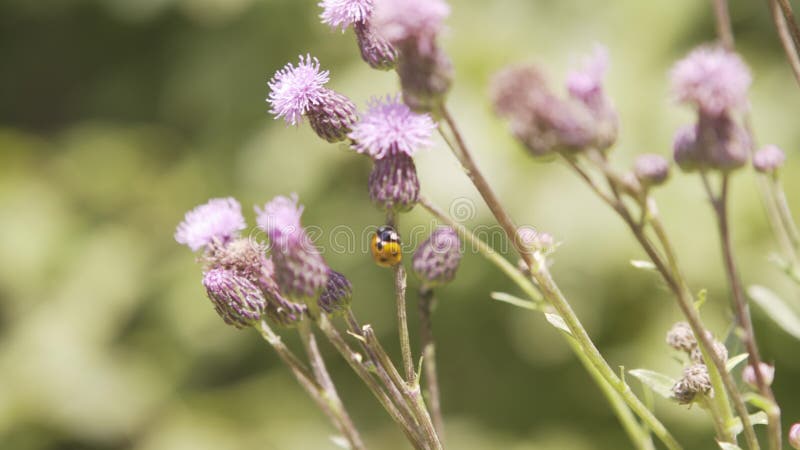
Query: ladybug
pixel 385 246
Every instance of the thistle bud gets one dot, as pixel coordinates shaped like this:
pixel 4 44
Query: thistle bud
pixel 651 170
pixel 719 348
pixel 695 381
pixel 723 142
pixel 393 183
pixel 686 152
pixel 437 259
pixel 767 373
pixel 337 294
pixel 425 79
pixel 375 50
pixel 769 159
pixel 681 337
pixel 238 301
pixel 794 436
pixel 333 116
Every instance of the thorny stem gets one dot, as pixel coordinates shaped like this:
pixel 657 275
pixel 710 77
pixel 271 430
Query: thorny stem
pixel 786 39
pixel 740 306
pixel 325 381
pixel 426 301
pixel 550 291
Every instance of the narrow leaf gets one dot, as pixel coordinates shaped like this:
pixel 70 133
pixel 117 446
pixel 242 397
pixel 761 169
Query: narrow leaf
pixel 556 321
pixel 758 401
pixel 644 265
pixel 512 300
pixel 759 418
pixel 702 296
pixel 735 361
pixel 776 309
pixel 658 382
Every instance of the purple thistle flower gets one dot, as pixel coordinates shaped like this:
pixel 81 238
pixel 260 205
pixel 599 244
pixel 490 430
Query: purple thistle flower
pixel 294 90
pixel 343 13
pixel 437 259
pixel 389 128
pixel 300 271
pixel 713 79
pixel 768 159
pixel 218 220
pixel 393 183
pixel 586 84
pixel 411 22
pixel 237 300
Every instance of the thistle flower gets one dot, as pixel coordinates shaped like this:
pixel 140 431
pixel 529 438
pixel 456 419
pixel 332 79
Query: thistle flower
pixel 333 117
pixel 300 271
pixel 343 13
pixel 389 128
pixel 238 301
pixel 651 170
pixel 767 373
pixel 586 84
pixel 794 436
pixel 724 143
pixel 393 183
pixel 220 219
pixel 337 294
pixel 375 49
pixel 411 23
pixel 713 79
pixel 695 381
pixel 686 152
pixel 437 259
pixel 295 90
pixel 769 159
pixel 696 354
pixel 681 337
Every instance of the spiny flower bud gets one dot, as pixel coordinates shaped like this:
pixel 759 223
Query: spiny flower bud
pixel 393 183
pixel 333 116
pixel 686 152
pixel 681 337
pixel 651 170
pixel 375 50
pixel 767 373
pixel 425 79
pixel 300 271
pixel 724 143
pixel 238 301
pixel 719 348
pixel 794 436
pixel 695 381
pixel 769 159
pixel 437 259
pixel 337 294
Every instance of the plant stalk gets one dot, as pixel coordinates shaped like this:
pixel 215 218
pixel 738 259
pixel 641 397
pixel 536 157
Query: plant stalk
pixel 431 390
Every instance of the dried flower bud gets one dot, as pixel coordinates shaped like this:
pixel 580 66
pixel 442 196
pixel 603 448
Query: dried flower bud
pixel 695 381
pixel 437 259
pixel 238 301
pixel 393 183
pixel 337 294
pixel 794 436
pixel 375 50
pixel 769 159
pixel 681 337
pixel 719 348
pixel 651 170
pixel 767 373
pixel 724 143
pixel 333 116
pixel 686 152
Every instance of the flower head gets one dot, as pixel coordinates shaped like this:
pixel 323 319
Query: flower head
pixel 220 219
pixel 695 381
pixel 238 301
pixel 393 183
pixel 681 337
pixel 389 127
pixel 333 116
pixel 375 49
pixel 343 13
pixel 768 159
pixel 767 373
pixel 794 436
pixel 280 219
pixel 685 150
pixel 651 170
pixel 411 22
pixel 437 259
pixel 586 84
pixel 713 79
pixel 294 90
pixel 696 354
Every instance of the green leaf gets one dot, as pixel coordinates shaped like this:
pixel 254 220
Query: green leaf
pixel 735 361
pixel 556 321
pixel 776 309
pixel 758 401
pixel 644 265
pixel 702 296
pixel 513 300
pixel 658 382
pixel 728 446
pixel 759 418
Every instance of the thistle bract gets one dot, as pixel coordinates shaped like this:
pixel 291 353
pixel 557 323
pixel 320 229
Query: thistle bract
pixel 437 259
pixel 237 300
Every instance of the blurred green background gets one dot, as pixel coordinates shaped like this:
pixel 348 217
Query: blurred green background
pixel 117 116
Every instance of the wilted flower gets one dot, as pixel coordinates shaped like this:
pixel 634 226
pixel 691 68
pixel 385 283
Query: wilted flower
pixel 719 348
pixel 220 219
pixel 681 337
pixel 295 90
pixel 768 159
pixel 393 183
pixel 238 301
pixel 767 373
pixel 713 79
pixel 437 259
pixel 695 381
pixel 651 170
pixel 300 271
pixel 343 13
pixel 337 294
pixel 794 436
pixel 389 128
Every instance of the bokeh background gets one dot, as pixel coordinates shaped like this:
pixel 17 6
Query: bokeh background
pixel 117 116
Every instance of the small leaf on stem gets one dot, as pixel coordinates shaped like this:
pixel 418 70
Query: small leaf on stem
pixel 776 309
pixel 556 321
pixel 735 361
pixel 657 382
